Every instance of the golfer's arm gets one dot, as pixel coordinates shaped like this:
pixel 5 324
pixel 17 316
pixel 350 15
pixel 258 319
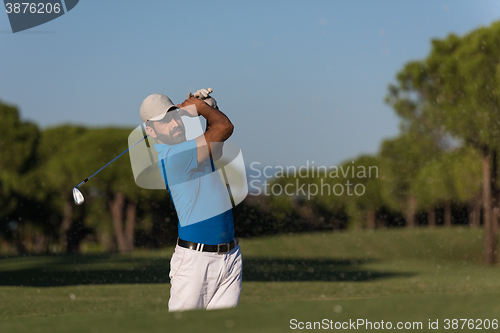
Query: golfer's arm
pixel 216 152
pixel 219 129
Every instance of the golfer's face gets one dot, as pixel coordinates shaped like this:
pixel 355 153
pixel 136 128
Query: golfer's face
pixel 170 130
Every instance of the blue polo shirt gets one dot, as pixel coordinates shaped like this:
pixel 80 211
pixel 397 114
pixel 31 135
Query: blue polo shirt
pixel 200 197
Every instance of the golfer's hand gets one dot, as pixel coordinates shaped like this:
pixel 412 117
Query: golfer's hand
pixel 191 106
pixel 202 93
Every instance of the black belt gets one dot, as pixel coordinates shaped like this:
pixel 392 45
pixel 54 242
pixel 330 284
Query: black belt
pixel 219 248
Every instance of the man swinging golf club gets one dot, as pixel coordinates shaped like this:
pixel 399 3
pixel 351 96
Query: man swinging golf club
pixel 206 267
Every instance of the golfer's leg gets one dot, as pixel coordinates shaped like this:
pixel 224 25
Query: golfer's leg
pixel 187 280
pixel 229 289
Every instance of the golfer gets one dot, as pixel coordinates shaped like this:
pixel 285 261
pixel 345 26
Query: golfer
pixel 206 267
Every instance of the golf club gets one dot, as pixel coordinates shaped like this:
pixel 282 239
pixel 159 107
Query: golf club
pixel 77 195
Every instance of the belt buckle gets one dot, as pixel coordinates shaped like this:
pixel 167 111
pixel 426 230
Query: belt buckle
pixel 218 248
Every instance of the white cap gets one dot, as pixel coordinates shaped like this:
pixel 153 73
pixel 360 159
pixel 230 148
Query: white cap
pixel 155 106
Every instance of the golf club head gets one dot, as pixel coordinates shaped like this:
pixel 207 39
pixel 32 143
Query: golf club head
pixel 78 196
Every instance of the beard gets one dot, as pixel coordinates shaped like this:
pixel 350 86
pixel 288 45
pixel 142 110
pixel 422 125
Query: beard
pixel 176 136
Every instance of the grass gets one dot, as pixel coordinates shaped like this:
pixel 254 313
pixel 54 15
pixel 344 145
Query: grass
pixel 391 275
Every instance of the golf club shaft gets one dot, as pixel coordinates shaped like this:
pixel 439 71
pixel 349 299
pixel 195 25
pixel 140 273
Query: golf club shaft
pixel 95 173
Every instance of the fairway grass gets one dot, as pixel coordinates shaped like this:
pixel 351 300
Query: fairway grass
pixel 391 275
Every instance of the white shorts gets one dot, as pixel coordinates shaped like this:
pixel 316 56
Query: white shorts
pixel 204 280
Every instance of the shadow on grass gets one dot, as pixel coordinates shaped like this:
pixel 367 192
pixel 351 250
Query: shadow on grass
pixel 50 271
pixel 273 269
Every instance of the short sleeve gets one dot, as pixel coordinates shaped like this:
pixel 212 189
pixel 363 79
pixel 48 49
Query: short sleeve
pixel 181 161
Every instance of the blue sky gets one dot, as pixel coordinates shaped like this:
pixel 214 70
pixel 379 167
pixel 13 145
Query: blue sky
pixel 301 80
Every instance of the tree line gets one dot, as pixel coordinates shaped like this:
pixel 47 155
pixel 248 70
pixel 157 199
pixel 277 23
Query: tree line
pixel 441 169
pixel 444 162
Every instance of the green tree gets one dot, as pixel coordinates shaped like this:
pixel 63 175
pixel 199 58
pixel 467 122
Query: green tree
pixel 18 142
pixel 18 146
pixel 116 182
pixel 452 178
pixel 57 173
pixel 306 202
pixel 464 86
pixel 401 159
pixel 422 140
pixel 365 175
pixel 456 90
